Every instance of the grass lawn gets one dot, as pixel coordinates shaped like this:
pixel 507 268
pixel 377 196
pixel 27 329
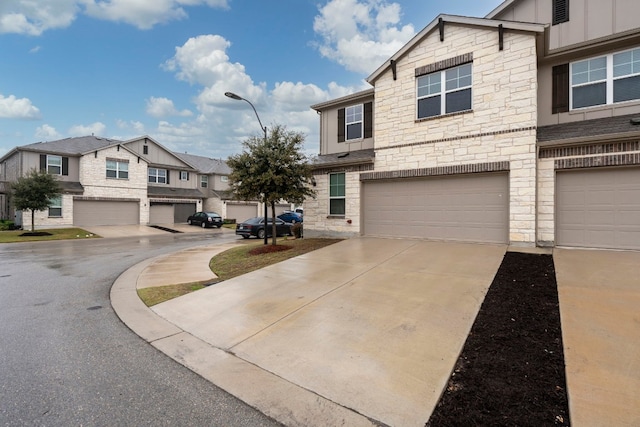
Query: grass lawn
pixel 237 261
pixel 50 234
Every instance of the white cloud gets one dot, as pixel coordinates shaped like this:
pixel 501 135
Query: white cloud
pixel 35 49
pixel 96 128
pixel 163 107
pixel 47 133
pixel 33 17
pixel 135 126
pixel 18 108
pixel 360 35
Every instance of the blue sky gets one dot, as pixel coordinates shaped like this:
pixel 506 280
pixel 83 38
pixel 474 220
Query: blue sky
pixel 126 68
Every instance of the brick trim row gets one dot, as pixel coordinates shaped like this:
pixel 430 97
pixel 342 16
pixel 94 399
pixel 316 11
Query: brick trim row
pixel 352 168
pixel 459 138
pixel 597 161
pixel 444 64
pixel 105 199
pixel 438 171
pixel 586 150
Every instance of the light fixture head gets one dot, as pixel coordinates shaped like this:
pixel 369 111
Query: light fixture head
pixel 232 96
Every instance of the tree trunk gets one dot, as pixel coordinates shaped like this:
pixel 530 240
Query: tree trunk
pixel 273 223
pixel 33 220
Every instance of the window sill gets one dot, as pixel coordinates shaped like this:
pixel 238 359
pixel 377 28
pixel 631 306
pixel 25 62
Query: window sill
pixel 604 107
pixel 457 113
pixel 336 216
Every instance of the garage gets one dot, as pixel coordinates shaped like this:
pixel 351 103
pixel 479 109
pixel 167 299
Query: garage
pixel 241 211
pixel 182 211
pixel 598 208
pixel 469 208
pixel 105 212
pixel 161 213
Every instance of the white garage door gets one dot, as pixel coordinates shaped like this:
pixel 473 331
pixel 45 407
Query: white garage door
pixel 241 211
pixel 473 208
pixel 161 214
pixel 105 212
pixel 598 208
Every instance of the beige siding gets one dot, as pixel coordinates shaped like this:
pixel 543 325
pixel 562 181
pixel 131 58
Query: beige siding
pixel 329 130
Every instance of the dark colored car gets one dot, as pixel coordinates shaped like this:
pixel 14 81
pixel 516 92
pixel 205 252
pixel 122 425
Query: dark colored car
pixel 255 227
pixel 205 219
pixel 290 217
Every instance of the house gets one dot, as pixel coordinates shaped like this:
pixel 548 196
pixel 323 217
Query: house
pixel 111 182
pixel 518 128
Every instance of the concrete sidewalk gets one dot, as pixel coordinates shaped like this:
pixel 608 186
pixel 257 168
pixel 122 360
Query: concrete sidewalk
pixel 362 332
pixel 367 331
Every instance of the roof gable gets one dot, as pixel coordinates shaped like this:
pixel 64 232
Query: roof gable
pixel 443 20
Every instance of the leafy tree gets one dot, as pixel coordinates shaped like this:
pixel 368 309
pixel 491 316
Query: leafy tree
pixel 34 191
pixel 271 170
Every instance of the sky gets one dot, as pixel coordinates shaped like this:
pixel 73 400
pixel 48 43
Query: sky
pixel 127 68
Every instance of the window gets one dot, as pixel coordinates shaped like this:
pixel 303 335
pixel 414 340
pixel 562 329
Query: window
pixel 337 193
pixel 184 176
pixel 436 98
pixel 560 11
pixel 55 207
pixel 117 169
pixel 145 149
pixel 606 79
pixel 353 122
pixel 204 181
pixel 54 165
pixel 224 178
pixel 158 176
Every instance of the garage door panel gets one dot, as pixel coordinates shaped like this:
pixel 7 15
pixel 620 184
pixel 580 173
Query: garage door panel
pixel 598 208
pixel 461 207
pixel 105 212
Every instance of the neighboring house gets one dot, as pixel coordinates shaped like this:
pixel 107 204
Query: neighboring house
pixel 111 182
pixel 517 128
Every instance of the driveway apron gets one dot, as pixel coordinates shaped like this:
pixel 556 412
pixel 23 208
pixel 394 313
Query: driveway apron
pixel 373 325
pixel 599 293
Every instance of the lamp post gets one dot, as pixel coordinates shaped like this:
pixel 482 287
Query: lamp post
pixel 264 129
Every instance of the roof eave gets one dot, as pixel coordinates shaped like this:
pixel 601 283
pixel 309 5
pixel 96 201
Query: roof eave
pixel 362 94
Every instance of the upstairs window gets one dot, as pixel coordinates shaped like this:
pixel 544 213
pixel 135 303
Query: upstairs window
pixel 353 122
pixel 204 181
pixel 54 165
pixel 55 207
pixel 158 176
pixel 560 11
pixel 606 79
pixel 444 92
pixel 117 169
pixel 224 178
pixel 337 194
pixel 184 176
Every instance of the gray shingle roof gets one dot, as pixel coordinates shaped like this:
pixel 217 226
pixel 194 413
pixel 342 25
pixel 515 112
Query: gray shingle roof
pixel 350 157
pixel 71 146
pixel 205 165
pixel 588 128
pixel 191 193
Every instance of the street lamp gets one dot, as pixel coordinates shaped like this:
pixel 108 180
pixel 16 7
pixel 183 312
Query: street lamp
pixel 264 129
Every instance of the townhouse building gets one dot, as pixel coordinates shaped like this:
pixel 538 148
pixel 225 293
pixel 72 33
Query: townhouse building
pixel 518 128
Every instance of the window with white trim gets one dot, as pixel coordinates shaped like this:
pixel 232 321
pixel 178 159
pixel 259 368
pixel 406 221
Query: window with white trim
pixel 605 80
pixel 54 165
pixel 224 178
pixel 184 176
pixel 204 181
pixel 337 199
pixel 444 92
pixel 55 207
pixel 117 169
pixel 158 176
pixel 353 122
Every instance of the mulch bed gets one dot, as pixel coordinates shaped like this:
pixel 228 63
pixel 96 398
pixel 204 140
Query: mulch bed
pixel 267 249
pixel 511 369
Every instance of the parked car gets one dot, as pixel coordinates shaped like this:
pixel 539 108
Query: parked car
pixel 255 227
pixel 205 219
pixel 290 217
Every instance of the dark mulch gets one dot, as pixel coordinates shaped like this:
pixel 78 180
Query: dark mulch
pixel 267 249
pixel 35 233
pixel 511 369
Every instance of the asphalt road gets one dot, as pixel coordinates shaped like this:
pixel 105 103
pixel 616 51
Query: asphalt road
pixel 66 358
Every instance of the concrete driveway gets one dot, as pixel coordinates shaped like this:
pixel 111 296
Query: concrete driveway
pixel 108 231
pixel 599 293
pixel 366 329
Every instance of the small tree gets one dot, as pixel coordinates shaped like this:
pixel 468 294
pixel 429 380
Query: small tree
pixel 34 191
pixel 271 170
